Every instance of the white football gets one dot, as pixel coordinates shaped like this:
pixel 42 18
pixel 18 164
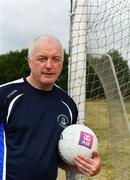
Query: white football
pixel 77 139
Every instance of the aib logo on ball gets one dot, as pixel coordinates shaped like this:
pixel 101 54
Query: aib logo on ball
pixel 86 139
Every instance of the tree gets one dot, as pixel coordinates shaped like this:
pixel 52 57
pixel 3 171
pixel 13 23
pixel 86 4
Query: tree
pixel 63 79
pixel 13 65
pixel 93 84
pixel 122 71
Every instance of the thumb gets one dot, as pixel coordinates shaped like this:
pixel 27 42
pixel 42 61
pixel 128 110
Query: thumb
pixel 95 155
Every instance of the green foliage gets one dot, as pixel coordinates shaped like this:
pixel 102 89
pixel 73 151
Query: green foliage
pixel 93 84
pixel 94 87
pixel 63 79
pixel 122 71
pixel 13 66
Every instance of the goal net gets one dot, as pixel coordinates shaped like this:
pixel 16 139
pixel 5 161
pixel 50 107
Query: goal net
pixel 99 79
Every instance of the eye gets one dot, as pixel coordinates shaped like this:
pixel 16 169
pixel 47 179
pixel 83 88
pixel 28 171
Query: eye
pixel 42 58
pixel 56 59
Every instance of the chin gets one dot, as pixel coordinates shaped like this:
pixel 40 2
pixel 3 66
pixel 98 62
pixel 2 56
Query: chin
pixel 48 83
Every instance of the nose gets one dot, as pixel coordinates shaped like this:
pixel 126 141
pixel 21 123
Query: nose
pixel 49 64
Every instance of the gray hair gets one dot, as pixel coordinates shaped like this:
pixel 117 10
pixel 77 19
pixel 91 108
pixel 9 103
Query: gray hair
pixel 31 47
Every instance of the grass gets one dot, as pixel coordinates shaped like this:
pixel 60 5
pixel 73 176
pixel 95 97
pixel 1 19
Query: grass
pixel 97 119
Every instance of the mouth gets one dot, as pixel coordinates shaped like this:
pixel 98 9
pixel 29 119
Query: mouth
pixel 48 74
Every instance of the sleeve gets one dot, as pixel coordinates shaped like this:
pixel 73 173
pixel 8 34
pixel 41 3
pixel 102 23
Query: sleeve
pixel 2 104
pixel 1 108
pixel 1 137
pixel 75 112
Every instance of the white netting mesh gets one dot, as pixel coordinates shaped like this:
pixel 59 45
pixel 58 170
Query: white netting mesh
pixel 99 74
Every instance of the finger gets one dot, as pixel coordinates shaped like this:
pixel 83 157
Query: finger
pixel 84 169
pixel 83 164
pixel 95 155
pixel 87 160
pixel 88 165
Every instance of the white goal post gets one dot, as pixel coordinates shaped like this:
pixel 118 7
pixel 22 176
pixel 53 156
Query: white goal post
pixel 77 62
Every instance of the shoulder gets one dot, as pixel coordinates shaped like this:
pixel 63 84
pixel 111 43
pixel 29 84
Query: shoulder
pixel 63 94
pixel 10 85
pixel 18 81
pixel 65 98
pixel 10 88
pixel 8 92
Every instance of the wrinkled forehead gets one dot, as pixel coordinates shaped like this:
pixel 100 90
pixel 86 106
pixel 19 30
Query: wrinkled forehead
pixel 46 44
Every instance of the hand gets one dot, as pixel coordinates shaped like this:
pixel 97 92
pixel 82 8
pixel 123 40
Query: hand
pixel 88 166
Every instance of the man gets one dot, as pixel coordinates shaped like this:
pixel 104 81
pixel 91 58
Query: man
pixel 33 113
